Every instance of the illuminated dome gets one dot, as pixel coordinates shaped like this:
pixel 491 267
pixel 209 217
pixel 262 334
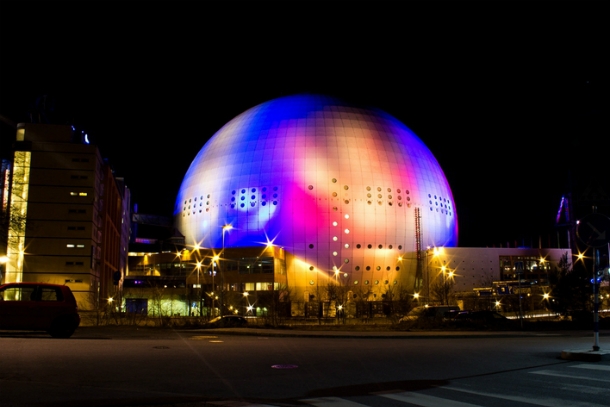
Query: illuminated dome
pixel 336 186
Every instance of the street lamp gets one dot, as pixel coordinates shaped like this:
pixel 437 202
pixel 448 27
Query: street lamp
pixel 225 228
pixel 199 287
pixel 246 294
pixel 214 259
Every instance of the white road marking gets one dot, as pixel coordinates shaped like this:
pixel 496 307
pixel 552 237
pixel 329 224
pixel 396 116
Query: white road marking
pixel 553 373
pixel 593 367
pixel 426 401
pixel 547 401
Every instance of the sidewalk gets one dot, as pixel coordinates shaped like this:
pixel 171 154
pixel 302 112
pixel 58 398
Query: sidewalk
pixel 132 331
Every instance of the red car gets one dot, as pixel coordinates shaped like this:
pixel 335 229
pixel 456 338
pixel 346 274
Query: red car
pixel 39 307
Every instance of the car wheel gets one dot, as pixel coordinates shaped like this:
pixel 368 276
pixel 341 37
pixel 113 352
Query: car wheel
pixel 61 328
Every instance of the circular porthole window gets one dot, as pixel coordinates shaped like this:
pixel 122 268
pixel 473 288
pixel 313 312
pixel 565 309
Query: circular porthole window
pixel 310 187
pixel 335 253
pixel 368 268
pixel 355 283
pixel 334 180
pixel 357 268
pixel 378 268
pixel 366 282
pixel 334 194
pixel 335 238
pixel 376 282
pixel 370 246
pixel 346 216
pixel 358 246
pixel 335 223
pixel 311 268
pixel 311 282
pixel 311 246
pixel 346 246
pixel 346 261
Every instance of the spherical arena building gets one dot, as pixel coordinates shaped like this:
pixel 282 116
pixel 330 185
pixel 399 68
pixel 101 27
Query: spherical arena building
pixel 347 196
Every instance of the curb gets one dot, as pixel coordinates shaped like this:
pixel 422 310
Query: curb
pixel 586 355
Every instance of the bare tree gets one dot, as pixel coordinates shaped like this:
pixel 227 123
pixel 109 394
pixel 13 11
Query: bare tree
pixel 442 289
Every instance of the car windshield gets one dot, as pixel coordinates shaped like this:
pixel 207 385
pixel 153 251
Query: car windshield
pixel 417 311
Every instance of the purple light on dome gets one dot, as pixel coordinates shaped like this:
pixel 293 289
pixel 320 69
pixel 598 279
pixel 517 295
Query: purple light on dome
pixel 290 169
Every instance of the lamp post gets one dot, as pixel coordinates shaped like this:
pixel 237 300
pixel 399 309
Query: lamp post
pixel 427 276
pixel 225 228
pixel 247 303
pixel 199 287
pixel 214 259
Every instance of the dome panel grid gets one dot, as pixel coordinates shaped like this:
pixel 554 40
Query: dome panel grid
pixel 296 142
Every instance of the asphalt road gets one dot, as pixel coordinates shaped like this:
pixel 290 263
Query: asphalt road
pixel 131 366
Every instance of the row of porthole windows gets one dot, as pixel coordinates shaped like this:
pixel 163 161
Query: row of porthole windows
pixel 446 212
pixel 195 199
pixel 252 190
pixel 252 204
pixel 444 202
pixel 275 202
pixel 242 205
pixel 366 282
pixel 442 205
pixel 243 191
pixel 253 197
pixel 389 203
pixel 369 246
pixel 379 189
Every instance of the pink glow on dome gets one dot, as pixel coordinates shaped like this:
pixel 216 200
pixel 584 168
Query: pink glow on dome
pixel 288 168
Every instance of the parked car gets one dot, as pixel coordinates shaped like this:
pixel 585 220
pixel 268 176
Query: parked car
pixel 227 321
pixel 428 312
pixel 479 317
pixel 39 307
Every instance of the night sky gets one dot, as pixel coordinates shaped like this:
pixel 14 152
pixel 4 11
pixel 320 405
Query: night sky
pixel 511 97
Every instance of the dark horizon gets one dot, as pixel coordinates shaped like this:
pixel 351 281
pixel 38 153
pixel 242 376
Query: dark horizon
pixel 513 116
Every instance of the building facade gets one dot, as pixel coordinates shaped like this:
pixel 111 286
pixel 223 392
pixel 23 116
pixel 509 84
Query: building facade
pixel 65 213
